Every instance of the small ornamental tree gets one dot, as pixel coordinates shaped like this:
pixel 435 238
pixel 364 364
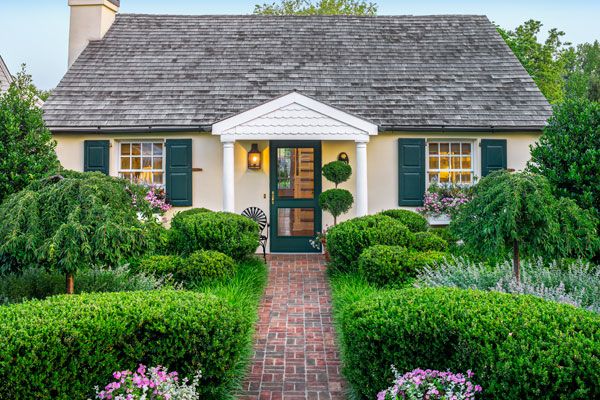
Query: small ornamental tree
pixel 568 152
pixel 72 221
pixel 518 211
pixel 26 145
pixel 336 201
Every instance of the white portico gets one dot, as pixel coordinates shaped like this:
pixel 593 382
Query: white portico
pixel 295 117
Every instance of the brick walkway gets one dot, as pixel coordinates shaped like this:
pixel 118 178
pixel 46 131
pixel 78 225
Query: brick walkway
pixel 295 355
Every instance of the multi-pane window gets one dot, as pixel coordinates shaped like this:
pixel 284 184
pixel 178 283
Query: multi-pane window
pixel 450 162
pixel 142 162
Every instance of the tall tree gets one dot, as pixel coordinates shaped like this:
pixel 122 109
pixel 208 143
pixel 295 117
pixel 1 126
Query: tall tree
pixel 545 62
pixel 583 71
pixel 318 7
pixel 26 145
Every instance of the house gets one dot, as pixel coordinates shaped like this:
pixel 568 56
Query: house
pixel 5 76
pixel 182 101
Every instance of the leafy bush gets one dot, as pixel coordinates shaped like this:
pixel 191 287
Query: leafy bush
pixel 186 213
pixel 394 265
pixel 520 347
pixel 347 240
pixel 425 241
pixel 208 265
pixel 59 348
pixel 161 265
pixel 413 221
pixel 575 282
pixel 445 234
pixel 568 152
pixel 336 202
pixel 37 283
pixel 26 148
pixel 337 172
pixel 69 222
pixel 231 234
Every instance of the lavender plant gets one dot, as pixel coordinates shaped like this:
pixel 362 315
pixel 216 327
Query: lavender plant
pixel 576 282
pixel 430 384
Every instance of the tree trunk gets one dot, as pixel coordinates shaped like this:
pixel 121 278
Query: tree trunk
pixel 334 220
pixel 516 261
pixel 70 284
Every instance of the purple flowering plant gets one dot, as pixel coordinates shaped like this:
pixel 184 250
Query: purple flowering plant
pixel 157 198
pixel 444 198
pixel 431 385
pixel 149 384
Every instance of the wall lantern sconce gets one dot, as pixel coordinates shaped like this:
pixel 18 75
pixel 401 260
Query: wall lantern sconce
pixel 343 157
pixel 254 157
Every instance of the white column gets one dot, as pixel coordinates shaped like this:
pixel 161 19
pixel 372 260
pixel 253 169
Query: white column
pixel 362 191
pixel 228 177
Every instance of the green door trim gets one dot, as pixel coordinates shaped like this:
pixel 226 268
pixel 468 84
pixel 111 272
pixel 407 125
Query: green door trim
pixel 293 244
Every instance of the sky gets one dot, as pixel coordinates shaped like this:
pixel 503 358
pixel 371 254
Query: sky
pixel 35 32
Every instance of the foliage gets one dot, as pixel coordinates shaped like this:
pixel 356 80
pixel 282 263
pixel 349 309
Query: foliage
pixel 583 71
pixel 75 342
pixel 180 215
pixel 574 282
pixel 545 62
pixel 511 210
pixel 336 202
pixel 430 384
pixel 413 221
pixel 444 198
pixel 337 172
pixel 318 7
pixel 157 384
pixel 521 347
pixel 161 265
pixel 208 265
pixel 568 152
pixel 231 234
pixel 26 145
pixel 37 283
pixel 157 198
pixel 72 221
pixel 426 241
pixel 347 240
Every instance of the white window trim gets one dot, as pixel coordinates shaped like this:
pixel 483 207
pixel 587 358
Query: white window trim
pixel 474 156
pixel 120 170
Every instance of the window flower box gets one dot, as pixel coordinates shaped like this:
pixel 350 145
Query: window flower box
pixel 439 220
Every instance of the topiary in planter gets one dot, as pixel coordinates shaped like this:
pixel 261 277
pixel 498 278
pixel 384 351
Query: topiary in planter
pixel 413 221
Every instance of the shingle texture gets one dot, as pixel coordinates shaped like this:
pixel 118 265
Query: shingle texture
pixel 395 71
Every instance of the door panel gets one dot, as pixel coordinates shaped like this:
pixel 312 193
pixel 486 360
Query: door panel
pixel 295 188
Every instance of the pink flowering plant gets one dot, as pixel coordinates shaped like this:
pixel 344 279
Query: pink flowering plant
pixel 444 198
pixel 149 384
pixel 430 385
pixel 157 198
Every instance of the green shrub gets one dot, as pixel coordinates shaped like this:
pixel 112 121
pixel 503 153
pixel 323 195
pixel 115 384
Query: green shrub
pixel 207 265
pixel 231 234
pixel 347 240
pixel 426 241
pixel 519 347
pixel 394 265
pixel 413 221
pixel 337 172
pixel 444 233
pixel 161 265
pixel 60 348
pixel 37 283
pixel 186 213
pixel 336 202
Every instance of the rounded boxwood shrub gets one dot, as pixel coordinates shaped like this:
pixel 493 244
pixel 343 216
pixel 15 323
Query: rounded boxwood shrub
pixel 206 265
pixel 231 234
pixel 426 241
pixel 60 348
pixel 413 221
pixel 394 265
pixel 347 240
pixel 519 347
pixel 160 265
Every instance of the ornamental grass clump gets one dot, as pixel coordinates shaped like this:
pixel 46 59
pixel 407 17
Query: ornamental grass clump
pixel 153 384
pixel 430 384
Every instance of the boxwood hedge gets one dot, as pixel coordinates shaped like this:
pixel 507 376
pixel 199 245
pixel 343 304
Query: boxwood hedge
pixel 60 348
pixel 413 221
pixel 519 347
pixel 347 240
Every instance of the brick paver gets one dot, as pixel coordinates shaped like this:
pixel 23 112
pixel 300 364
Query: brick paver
pixel 295 354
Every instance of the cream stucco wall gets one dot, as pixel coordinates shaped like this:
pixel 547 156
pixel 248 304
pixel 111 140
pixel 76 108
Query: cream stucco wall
pixel 252 187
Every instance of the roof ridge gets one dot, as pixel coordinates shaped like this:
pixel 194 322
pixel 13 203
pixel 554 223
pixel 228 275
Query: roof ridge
pixel 302 16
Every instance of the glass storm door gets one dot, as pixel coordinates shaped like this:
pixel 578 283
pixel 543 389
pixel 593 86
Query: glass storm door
pixel 295 169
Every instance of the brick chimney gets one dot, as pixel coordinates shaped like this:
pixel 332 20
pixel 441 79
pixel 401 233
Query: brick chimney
pixel 90 19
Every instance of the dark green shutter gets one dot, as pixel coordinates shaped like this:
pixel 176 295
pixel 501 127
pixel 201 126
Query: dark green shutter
pixel 179 172
pixel 411 172
pixel 493 155
pixel 95 156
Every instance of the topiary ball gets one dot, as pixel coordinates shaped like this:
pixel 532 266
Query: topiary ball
pixel 336 201
pixel 337 171
pixel 413 221
pixel 207 265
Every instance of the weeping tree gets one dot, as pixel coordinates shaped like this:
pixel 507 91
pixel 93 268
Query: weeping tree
pixel 336 201
pixel 72 221
pixel 517 212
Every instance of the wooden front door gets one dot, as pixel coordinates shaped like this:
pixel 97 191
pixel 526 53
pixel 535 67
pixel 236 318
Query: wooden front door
pixel 295 175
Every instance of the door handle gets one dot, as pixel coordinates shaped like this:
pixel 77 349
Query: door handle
pixel 273 197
